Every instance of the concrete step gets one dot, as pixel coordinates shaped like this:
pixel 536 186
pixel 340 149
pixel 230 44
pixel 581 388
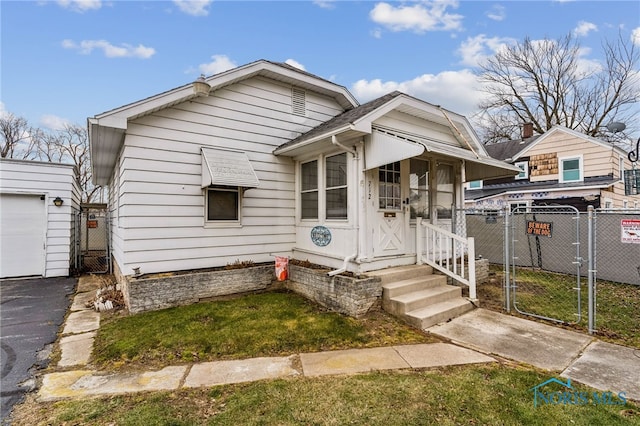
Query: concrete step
pixel 398 288
pixel 440 312
pixel 404 303
pixel 401 273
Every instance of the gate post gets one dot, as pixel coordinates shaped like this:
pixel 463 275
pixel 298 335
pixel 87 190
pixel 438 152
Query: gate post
pixel 591 265
pixel 507 251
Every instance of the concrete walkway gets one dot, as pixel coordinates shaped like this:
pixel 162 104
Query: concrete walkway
pixel 476 337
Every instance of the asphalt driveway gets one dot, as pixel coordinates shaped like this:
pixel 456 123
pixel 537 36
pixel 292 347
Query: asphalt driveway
pixel 31 312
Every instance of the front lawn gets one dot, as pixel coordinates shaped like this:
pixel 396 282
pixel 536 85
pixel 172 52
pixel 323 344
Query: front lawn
pixel 471 395
pixel 267 324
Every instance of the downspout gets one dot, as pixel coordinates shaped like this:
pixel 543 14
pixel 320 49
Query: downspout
pixel 345 262
pixel 334 140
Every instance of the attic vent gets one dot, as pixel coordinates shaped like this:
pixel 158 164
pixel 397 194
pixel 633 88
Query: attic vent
pixel 298 102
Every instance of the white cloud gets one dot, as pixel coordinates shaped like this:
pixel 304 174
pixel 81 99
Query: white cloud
pixel 125 50
pixel 219 64
pixel 635 36
pixel 584 28
pixel 325 4
pixel 80 6
pixel 54 122
pixel 194 7
pixel 421 17
pixel 295 64
pixel 376 33
pixel 497 13
pixel 457 91
pixel 475 50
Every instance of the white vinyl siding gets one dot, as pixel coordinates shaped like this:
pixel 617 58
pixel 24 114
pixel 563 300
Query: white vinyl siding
pixel 162 206
pixel 51 181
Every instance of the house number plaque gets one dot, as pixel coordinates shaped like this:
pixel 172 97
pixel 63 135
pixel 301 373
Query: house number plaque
pixel 321 236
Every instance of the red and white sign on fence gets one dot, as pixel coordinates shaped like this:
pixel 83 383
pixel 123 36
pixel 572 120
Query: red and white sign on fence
pixel 630 230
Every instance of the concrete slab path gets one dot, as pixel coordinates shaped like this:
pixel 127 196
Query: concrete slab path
pixel 543 346
pixel 238 371
pixel 607 366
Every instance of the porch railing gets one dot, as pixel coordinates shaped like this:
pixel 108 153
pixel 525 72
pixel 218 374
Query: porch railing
pixel 448 253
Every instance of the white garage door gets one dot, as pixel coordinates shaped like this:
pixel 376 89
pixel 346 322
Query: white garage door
pixel 22 235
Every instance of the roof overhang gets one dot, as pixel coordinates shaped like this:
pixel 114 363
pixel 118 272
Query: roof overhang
pixel 531 191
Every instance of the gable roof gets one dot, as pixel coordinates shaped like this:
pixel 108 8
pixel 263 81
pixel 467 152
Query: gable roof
pixel 107 130
pixel 506 151
pixel 512 150
pixel 558 129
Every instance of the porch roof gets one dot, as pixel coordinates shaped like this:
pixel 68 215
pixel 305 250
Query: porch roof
pixel 360 121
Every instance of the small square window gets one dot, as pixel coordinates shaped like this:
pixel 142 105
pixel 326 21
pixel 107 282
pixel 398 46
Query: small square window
pixel 475 184
pixel 223 204
pixel 524 167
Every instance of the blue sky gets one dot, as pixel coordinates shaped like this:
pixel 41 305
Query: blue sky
pixel 63 61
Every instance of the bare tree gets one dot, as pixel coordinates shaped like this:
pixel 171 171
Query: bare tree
pixel 71 145
pixel 546 82
pixel 17 138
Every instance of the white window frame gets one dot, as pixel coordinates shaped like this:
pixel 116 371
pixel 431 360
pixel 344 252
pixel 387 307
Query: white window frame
pixel 328 188
pixel 621 168
pixel 469 184
pixel 515 204
pixel 223 222
pixel 524 168
pixel 561 168
pixel 607 203
pixel 316 190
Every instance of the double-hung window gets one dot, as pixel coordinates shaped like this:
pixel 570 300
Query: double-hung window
pixel 323 188
pixel 336 186
pixel 571 169
pixel 309 190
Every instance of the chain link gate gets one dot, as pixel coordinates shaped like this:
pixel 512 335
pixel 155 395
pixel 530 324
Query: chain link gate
pixel 94 248
pixel 545 262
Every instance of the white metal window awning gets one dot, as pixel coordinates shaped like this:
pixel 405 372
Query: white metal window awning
pixel 387 148
pixel 225 167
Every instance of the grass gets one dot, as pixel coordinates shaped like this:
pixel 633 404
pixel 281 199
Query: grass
pixel 267 324
pixel 482 394
pixel 551 295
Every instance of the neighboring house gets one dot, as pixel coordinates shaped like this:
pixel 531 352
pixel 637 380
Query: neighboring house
pixel 559 167
pixel 266 159
pixel 37 205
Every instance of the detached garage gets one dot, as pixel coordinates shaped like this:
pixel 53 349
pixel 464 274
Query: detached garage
pixel 37 205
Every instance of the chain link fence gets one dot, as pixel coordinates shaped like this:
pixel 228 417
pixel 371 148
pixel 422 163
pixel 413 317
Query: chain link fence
pixel 544 258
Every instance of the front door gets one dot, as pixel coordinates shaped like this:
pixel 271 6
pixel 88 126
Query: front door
pixel 390 223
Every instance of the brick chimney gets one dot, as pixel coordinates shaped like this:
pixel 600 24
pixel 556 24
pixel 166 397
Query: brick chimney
pixel 527 130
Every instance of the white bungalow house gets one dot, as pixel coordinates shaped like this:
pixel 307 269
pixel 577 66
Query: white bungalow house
pixel 266 159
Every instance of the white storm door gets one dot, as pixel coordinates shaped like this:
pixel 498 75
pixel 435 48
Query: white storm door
pixel 22 235
pixel 390 225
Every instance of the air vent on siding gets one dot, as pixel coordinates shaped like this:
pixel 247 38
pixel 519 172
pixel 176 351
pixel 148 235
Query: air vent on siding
pixel 298 102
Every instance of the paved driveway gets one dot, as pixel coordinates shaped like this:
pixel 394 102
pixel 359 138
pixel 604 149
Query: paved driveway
pixel 31 312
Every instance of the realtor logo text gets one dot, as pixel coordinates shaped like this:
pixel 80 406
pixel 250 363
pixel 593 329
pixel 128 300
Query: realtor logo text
pixel 568 396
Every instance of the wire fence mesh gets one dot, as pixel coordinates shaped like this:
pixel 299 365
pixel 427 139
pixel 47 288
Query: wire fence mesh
pixel 539 265
pixel 93 241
